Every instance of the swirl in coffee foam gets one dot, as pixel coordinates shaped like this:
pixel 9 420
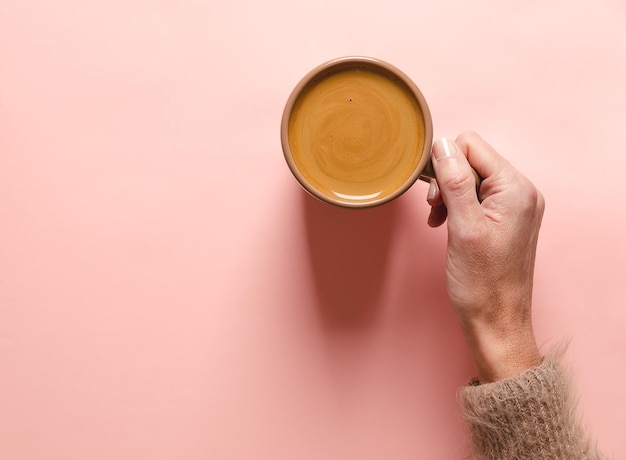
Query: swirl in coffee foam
pixel 356 134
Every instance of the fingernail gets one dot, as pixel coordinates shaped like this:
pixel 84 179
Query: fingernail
pixel 432 190
pixel 443 148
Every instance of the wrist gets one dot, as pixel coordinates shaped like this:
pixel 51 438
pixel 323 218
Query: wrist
pixel 499 353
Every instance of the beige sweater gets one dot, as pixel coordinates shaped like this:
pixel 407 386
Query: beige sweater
pixel 531 416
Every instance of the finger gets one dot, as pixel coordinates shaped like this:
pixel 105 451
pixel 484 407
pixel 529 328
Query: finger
pixel 438 212
pixel 456 182
pixel 481 155
pixel 434 195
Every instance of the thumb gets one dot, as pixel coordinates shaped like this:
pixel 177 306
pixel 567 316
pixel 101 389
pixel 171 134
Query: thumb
pixel 456 182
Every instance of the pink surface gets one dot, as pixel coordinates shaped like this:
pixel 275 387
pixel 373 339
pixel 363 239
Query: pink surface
pixel 168 292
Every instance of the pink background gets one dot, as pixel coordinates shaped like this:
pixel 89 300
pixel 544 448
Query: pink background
pixel 167 291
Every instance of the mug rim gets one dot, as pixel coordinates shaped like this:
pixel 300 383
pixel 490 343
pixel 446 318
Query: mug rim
pixel 337 63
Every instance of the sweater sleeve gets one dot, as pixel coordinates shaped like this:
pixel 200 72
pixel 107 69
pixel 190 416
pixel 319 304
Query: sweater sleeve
pixel 530 416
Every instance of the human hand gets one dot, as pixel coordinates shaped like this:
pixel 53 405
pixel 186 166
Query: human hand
pixel 492 241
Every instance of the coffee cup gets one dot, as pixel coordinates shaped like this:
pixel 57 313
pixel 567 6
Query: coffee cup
pixel 357 132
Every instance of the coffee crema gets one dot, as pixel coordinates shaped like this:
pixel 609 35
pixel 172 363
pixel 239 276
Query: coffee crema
pixel 356 133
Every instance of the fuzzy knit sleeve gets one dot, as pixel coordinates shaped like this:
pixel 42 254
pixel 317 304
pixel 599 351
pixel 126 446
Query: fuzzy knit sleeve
pixel 530 416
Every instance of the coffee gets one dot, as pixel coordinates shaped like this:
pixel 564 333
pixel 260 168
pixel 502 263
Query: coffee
pixel 356 133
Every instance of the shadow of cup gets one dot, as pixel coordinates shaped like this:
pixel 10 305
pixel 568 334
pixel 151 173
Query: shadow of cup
pixel 348 252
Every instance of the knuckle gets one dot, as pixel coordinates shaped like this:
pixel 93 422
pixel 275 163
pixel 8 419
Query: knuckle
pixel 533 201
pixel 458 184
pixel 541 203
pixel 467 137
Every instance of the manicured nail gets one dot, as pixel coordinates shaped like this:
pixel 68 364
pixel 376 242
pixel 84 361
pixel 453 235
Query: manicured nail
pixel 432 190
pixel 443 148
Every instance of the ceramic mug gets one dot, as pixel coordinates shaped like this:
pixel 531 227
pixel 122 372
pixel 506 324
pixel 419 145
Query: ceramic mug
pixel 357 132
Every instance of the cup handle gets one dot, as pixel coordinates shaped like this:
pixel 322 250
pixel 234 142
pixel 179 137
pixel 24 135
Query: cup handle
pixel 428 173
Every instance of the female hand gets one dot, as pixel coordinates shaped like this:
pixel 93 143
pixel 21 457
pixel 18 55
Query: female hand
pixel 492 240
